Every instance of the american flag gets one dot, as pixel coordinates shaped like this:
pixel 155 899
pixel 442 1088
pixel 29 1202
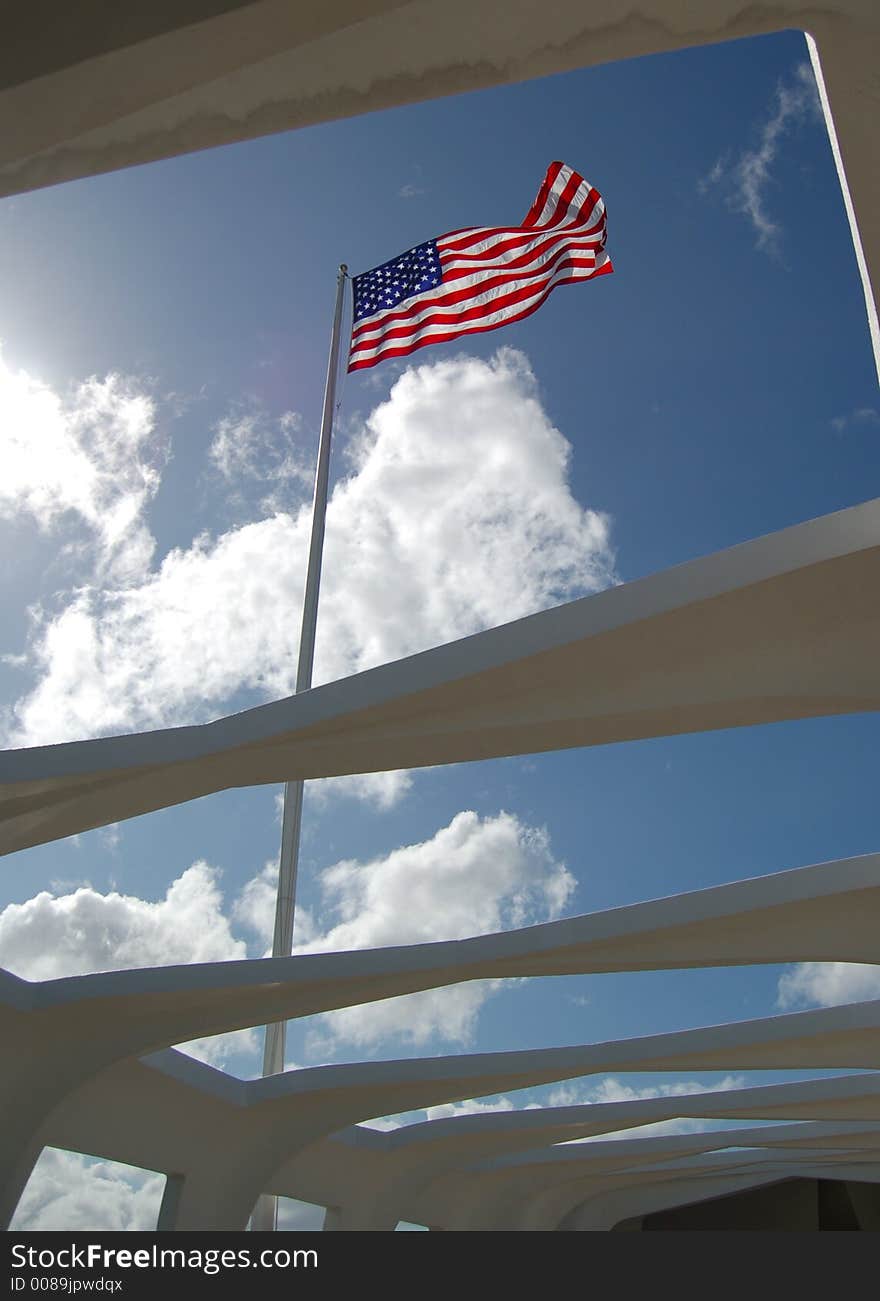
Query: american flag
pixel 480 278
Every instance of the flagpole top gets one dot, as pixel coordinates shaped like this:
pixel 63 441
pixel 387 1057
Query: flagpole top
pixel 343 268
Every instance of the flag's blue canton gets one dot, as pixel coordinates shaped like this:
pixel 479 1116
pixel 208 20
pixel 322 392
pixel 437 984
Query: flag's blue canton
pixel 413 272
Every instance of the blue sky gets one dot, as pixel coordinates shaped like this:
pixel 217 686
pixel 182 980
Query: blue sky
pixel 164 344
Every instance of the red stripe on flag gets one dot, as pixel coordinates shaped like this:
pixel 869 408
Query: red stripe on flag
pixel 540 202
pixel 495 275
pixel 448 337
pixel 419 303
pixel 497 303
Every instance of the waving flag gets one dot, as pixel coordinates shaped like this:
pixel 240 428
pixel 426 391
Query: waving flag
pixel 480 278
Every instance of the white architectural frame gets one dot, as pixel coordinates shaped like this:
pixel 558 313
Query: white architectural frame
pixel 775 629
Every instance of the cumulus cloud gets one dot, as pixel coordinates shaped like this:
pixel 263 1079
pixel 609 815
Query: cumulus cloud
pixel 50 936
pixel 828 984
pixel 744 183
pixel 457 515
pixel 70 1192
pixel 254 909
pixel 473 876
pixel 92 456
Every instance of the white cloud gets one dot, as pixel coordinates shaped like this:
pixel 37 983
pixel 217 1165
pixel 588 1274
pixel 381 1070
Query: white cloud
pixel 473 876
pixel 828 984
pixel 471 1107
pixel 92 456
pixel 611 1089
pixel 70 1192
pixel 448 1015
pixel 49 937
pixel 254 910
pixel 457 516
pixel 52 936
pixel 745 182
pixel 110 836
pixel 380 789
pixel 414 187
pixel 252 450
pixel 861 417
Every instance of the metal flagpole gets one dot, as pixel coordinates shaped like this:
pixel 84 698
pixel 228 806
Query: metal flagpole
pixel 266 1211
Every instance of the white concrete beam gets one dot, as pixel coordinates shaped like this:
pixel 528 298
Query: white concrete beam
pixel 704 645
pixel 309 1104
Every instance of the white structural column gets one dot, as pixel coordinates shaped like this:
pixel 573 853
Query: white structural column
pixel 265 1122
pixel 778 628
pixel 180 1108
pixel 164 1112
pixel 845 58
pixel 386 1186
pixel 60 1033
